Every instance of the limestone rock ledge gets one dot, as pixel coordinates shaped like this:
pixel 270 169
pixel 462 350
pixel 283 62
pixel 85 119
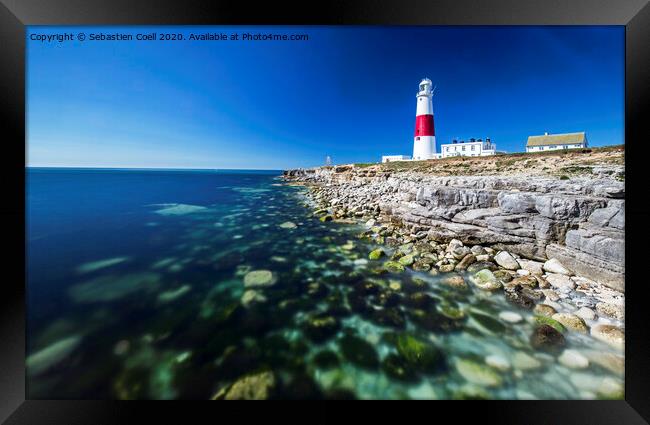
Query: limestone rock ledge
pixel 580 221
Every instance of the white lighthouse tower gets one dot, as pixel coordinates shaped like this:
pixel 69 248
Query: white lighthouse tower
pixel 424 140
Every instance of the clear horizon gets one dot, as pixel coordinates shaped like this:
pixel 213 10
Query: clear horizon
pixel 347 92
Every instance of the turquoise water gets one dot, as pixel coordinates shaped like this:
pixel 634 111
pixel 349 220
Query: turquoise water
pixel 136 289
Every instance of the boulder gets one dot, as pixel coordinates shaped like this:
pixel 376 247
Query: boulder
pixel 547 338
pixel 554 266
pixel 609 334
pixel 465 262
pixel 485 279
pixel 560 281
pixel 572 322
pixel 506 260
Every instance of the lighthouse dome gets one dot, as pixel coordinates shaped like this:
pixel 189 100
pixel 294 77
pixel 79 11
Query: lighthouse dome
pixel 425 87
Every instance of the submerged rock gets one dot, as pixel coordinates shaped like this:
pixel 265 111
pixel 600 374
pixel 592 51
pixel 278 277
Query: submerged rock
pixel 179 209
pixel 477 373
pixel 359 352
pixel 100 264
pixel 258 386
pixel 573 359
pixel 321 327
pixel 393 266
pixel 111 287
pixel 523 361
pixel 498 362
pixel 572 322
pixel 288 225
pixel 390 316
pixel 419 354
pixel 174 294
pixel 406 260
pixel 48 357
pixel 487 322
pixel 399 368
pixel 510 317
pixel 517 296
pixel 376 254
pixel 259 278
pixel 326 359
pixel 485 279
pixel 544 310
pixel 545 320
pixel 252 296
pixel 455 281
pixel 547 338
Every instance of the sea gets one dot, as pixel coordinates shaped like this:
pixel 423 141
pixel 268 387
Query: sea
pixel 179 284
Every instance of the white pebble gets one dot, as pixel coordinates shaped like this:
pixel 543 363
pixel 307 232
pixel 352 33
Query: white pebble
pixel 511 317
pixel 497 362
pixel 573 359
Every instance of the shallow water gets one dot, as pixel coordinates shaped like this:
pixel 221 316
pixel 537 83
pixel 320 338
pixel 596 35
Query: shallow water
pixel 135 286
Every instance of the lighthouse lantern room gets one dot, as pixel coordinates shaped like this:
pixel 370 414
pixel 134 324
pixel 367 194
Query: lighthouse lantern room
pixel 424 140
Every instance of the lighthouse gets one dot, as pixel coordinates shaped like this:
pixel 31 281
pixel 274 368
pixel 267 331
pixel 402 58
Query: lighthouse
pixel 424 140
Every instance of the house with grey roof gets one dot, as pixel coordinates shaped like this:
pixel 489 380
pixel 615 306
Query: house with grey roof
pixel 547 142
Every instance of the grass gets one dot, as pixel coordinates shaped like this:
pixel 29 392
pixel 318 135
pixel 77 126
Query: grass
pixel 511 162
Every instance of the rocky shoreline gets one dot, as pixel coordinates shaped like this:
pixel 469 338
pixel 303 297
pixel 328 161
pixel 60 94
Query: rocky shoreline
pixel 552 246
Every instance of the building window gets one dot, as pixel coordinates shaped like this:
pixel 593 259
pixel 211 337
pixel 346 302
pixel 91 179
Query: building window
pixel 447 148
pixel 417 138
pixel 472 147
pixel 463 147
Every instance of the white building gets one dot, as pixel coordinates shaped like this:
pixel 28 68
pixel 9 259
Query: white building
pixel 549 142
pixel 473 147
pixel 393 158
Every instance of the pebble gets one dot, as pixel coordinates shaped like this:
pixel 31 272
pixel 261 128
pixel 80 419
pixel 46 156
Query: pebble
pixel 554 266
pixel 609 334
pixel 523 361
pixel 510 317
pixel 121 347
pixel 611 310
pixel 571 321
pixel 560 281
pixel 586 313
pixel 544 310
pixel 573 359
pixel 498 362
pixel 288 225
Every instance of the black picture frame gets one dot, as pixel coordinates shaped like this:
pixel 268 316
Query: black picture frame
pixel 15 15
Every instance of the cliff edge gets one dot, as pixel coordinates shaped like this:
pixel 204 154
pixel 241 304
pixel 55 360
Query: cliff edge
pixel 568 205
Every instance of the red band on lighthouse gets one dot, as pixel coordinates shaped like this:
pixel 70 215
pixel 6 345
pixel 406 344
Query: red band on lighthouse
pixel 424 125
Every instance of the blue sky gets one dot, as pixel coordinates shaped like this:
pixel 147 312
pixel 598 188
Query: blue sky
pixel 347 92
